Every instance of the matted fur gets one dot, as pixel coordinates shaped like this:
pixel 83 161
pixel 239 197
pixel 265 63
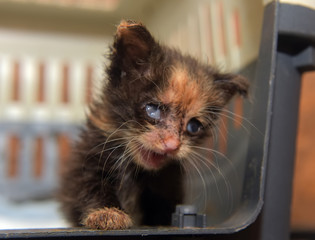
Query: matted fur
pixel 128 160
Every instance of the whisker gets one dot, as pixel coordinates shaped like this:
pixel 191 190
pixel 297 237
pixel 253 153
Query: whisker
pixel 130 152
pixel 105 162
pixel 189 179
pixel 209 161
pixel 230 115
pixel 125 155
pixel 223 156
pixel 208 164
pixel 194 165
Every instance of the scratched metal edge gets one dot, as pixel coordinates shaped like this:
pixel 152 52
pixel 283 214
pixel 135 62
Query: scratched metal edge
pixel 84 232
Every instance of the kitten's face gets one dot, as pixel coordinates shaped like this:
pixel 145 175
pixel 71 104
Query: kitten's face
pixel 177 118
pixel 163 104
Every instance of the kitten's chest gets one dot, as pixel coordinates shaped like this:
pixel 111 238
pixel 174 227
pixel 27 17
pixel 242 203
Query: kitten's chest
pixel 145 195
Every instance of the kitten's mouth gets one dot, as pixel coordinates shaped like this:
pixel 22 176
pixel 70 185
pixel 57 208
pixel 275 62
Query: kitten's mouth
pixel 152 160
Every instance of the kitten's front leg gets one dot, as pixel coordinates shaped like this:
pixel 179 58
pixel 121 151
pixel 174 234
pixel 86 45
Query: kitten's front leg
pixel 89 201
pixel 107 219
pixel 104 212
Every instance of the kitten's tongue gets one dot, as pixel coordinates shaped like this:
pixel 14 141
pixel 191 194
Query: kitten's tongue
pixel 152 159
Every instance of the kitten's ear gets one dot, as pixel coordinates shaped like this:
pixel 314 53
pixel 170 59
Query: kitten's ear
pixel 133 45
pixel 231 84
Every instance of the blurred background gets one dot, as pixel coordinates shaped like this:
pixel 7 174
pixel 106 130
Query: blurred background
pixel 52 57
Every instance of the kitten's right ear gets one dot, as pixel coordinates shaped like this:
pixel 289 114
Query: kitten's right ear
pixel 133 45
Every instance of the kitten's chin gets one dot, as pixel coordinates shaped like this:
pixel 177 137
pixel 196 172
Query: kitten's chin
pixel 151 160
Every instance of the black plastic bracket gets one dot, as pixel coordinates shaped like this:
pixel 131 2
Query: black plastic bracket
pixel 305 60
pixel 186 216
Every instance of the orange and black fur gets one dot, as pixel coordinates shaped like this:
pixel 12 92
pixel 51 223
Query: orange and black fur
pixel 157 106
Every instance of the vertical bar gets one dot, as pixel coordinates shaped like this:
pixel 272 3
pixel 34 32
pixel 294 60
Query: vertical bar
pixel 16 82
pixel 234 37
pixel 206 31
pixel 65 84
pixel 221 20
pixel 14 147
pixel 89 84
pixel 64 146
pixel 237 27
pixel 219 41
pixel 38 157
pixel 41 83
pixel 238 112
pixel 223 132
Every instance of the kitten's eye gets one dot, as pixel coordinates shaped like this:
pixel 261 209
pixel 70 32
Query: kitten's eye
pixel 153 111
pixel 194 126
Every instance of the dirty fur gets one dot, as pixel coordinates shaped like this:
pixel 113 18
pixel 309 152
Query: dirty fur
pixel 156 107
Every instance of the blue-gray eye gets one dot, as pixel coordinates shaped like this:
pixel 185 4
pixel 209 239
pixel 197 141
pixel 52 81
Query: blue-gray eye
pixel 153 111
pixel 193 126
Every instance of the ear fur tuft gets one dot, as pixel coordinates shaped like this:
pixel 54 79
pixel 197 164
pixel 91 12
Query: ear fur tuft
pixel 232 84
pixel 133 43
pixel 131 51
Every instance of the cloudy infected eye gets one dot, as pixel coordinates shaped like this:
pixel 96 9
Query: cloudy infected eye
pixel 153 111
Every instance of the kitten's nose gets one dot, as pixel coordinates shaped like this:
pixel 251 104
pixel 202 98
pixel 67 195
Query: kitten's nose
pixel 171 144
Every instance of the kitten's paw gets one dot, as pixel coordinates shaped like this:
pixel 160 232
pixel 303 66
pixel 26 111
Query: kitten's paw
pixel 107 219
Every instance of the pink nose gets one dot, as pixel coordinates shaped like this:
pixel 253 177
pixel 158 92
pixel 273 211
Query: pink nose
pixel 171 144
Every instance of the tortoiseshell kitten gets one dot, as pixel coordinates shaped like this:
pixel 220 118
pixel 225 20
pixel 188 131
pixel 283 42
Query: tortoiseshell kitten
pixel 157 106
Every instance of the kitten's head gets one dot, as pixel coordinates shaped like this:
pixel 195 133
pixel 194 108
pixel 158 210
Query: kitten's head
pixel 158 102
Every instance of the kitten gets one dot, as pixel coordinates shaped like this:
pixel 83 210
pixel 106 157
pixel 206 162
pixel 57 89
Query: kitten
pixel 157 106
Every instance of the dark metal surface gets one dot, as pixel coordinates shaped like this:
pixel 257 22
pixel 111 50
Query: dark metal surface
pixel 293 55
pixel 144 233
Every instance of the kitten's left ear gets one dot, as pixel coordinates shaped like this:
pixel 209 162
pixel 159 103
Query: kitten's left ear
pixel 133 45
pixel 231 84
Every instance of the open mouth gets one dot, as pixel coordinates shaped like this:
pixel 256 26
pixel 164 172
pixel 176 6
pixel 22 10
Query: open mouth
pixel 151 159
